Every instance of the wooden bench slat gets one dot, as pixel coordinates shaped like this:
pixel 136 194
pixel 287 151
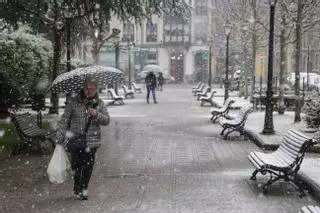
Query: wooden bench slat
pixel 286 149
pixel 271 161
pixel 254 160
pixel 310 209
pixel 287 156
pixel 284 159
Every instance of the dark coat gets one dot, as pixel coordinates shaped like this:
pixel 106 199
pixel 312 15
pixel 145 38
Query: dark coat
pixel 75 117
pixel 161 79
pixel 151 80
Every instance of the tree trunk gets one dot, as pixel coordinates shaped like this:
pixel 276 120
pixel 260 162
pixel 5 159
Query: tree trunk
pixel 254 49
pixel 95 52
pixel 281 105
pixel 246 72
pixel 297 117
pixel 56 62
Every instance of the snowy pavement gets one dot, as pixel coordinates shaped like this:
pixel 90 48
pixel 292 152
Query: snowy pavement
pixel 165 157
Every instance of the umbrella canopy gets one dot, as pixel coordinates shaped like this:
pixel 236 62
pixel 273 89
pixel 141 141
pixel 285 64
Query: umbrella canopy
pixel 72 82
pixel 153 68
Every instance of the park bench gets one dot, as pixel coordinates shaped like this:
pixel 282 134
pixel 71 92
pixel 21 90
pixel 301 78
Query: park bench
pixel 31 134
pixel 127 92
pixel 310 209
pixel 203 90
pixel 284 163
pixel 234 123
pixel 208 98
pixel 197 87
pixel 203 93
pixel 115 98
pixel 221 112
pixel 136 87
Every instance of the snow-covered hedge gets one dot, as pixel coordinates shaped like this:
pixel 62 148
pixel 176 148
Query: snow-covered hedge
pixel 311 108
pixel 24 63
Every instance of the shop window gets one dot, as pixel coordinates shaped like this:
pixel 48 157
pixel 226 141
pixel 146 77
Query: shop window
pixel 152 56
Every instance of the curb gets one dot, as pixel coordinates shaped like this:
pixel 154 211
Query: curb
pixel 253 136
pixel 310 184
pixel 258 141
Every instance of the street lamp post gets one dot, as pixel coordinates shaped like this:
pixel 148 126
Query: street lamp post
pixel 129 45
pixel 68 14
pixel 308 69
pixel 210 62
pixel 227 30
pixel 117 54
pixel 268 119
pixel 129 53
pixel 245 52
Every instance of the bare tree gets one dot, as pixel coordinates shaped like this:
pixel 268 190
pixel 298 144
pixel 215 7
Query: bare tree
pixel 304 16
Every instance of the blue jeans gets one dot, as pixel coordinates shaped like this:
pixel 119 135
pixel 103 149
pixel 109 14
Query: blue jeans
pixel 153 90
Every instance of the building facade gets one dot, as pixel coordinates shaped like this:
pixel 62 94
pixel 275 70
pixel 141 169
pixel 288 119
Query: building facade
pixel 179 45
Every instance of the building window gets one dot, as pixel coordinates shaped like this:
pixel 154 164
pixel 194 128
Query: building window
pixel 201 32
pixel 186 29
pixel 201 7
pixel 152 56
pixel 173 38
pixel 128 32
pixel 176 30
pixel 152 32
pixel 167 26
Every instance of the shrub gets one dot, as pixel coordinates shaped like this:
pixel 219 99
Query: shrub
pixel 24 62
pixel 311 109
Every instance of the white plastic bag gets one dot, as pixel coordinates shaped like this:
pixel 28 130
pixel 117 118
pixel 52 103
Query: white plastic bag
pixel 59 165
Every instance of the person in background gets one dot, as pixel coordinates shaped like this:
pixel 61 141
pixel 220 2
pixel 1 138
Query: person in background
pixel 160 81
pixel 151 84
pixel 83 116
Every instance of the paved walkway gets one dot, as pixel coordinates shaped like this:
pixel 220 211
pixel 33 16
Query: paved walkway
pixel 164 157
pixel 310 169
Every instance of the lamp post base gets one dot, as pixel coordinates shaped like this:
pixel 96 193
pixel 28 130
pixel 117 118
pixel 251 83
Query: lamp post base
pixel 226 89
pixel 268 119
pixel 268 131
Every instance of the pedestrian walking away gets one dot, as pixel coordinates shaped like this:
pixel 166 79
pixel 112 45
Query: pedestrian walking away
pixel 160 81
pixel 151 84
pixel 79 132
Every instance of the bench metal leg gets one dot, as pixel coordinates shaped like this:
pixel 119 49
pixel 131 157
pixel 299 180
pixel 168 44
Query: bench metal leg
pixel 265 187
pixel 231 130
pixel 222 132
pixel 254 174
pixel 213 119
